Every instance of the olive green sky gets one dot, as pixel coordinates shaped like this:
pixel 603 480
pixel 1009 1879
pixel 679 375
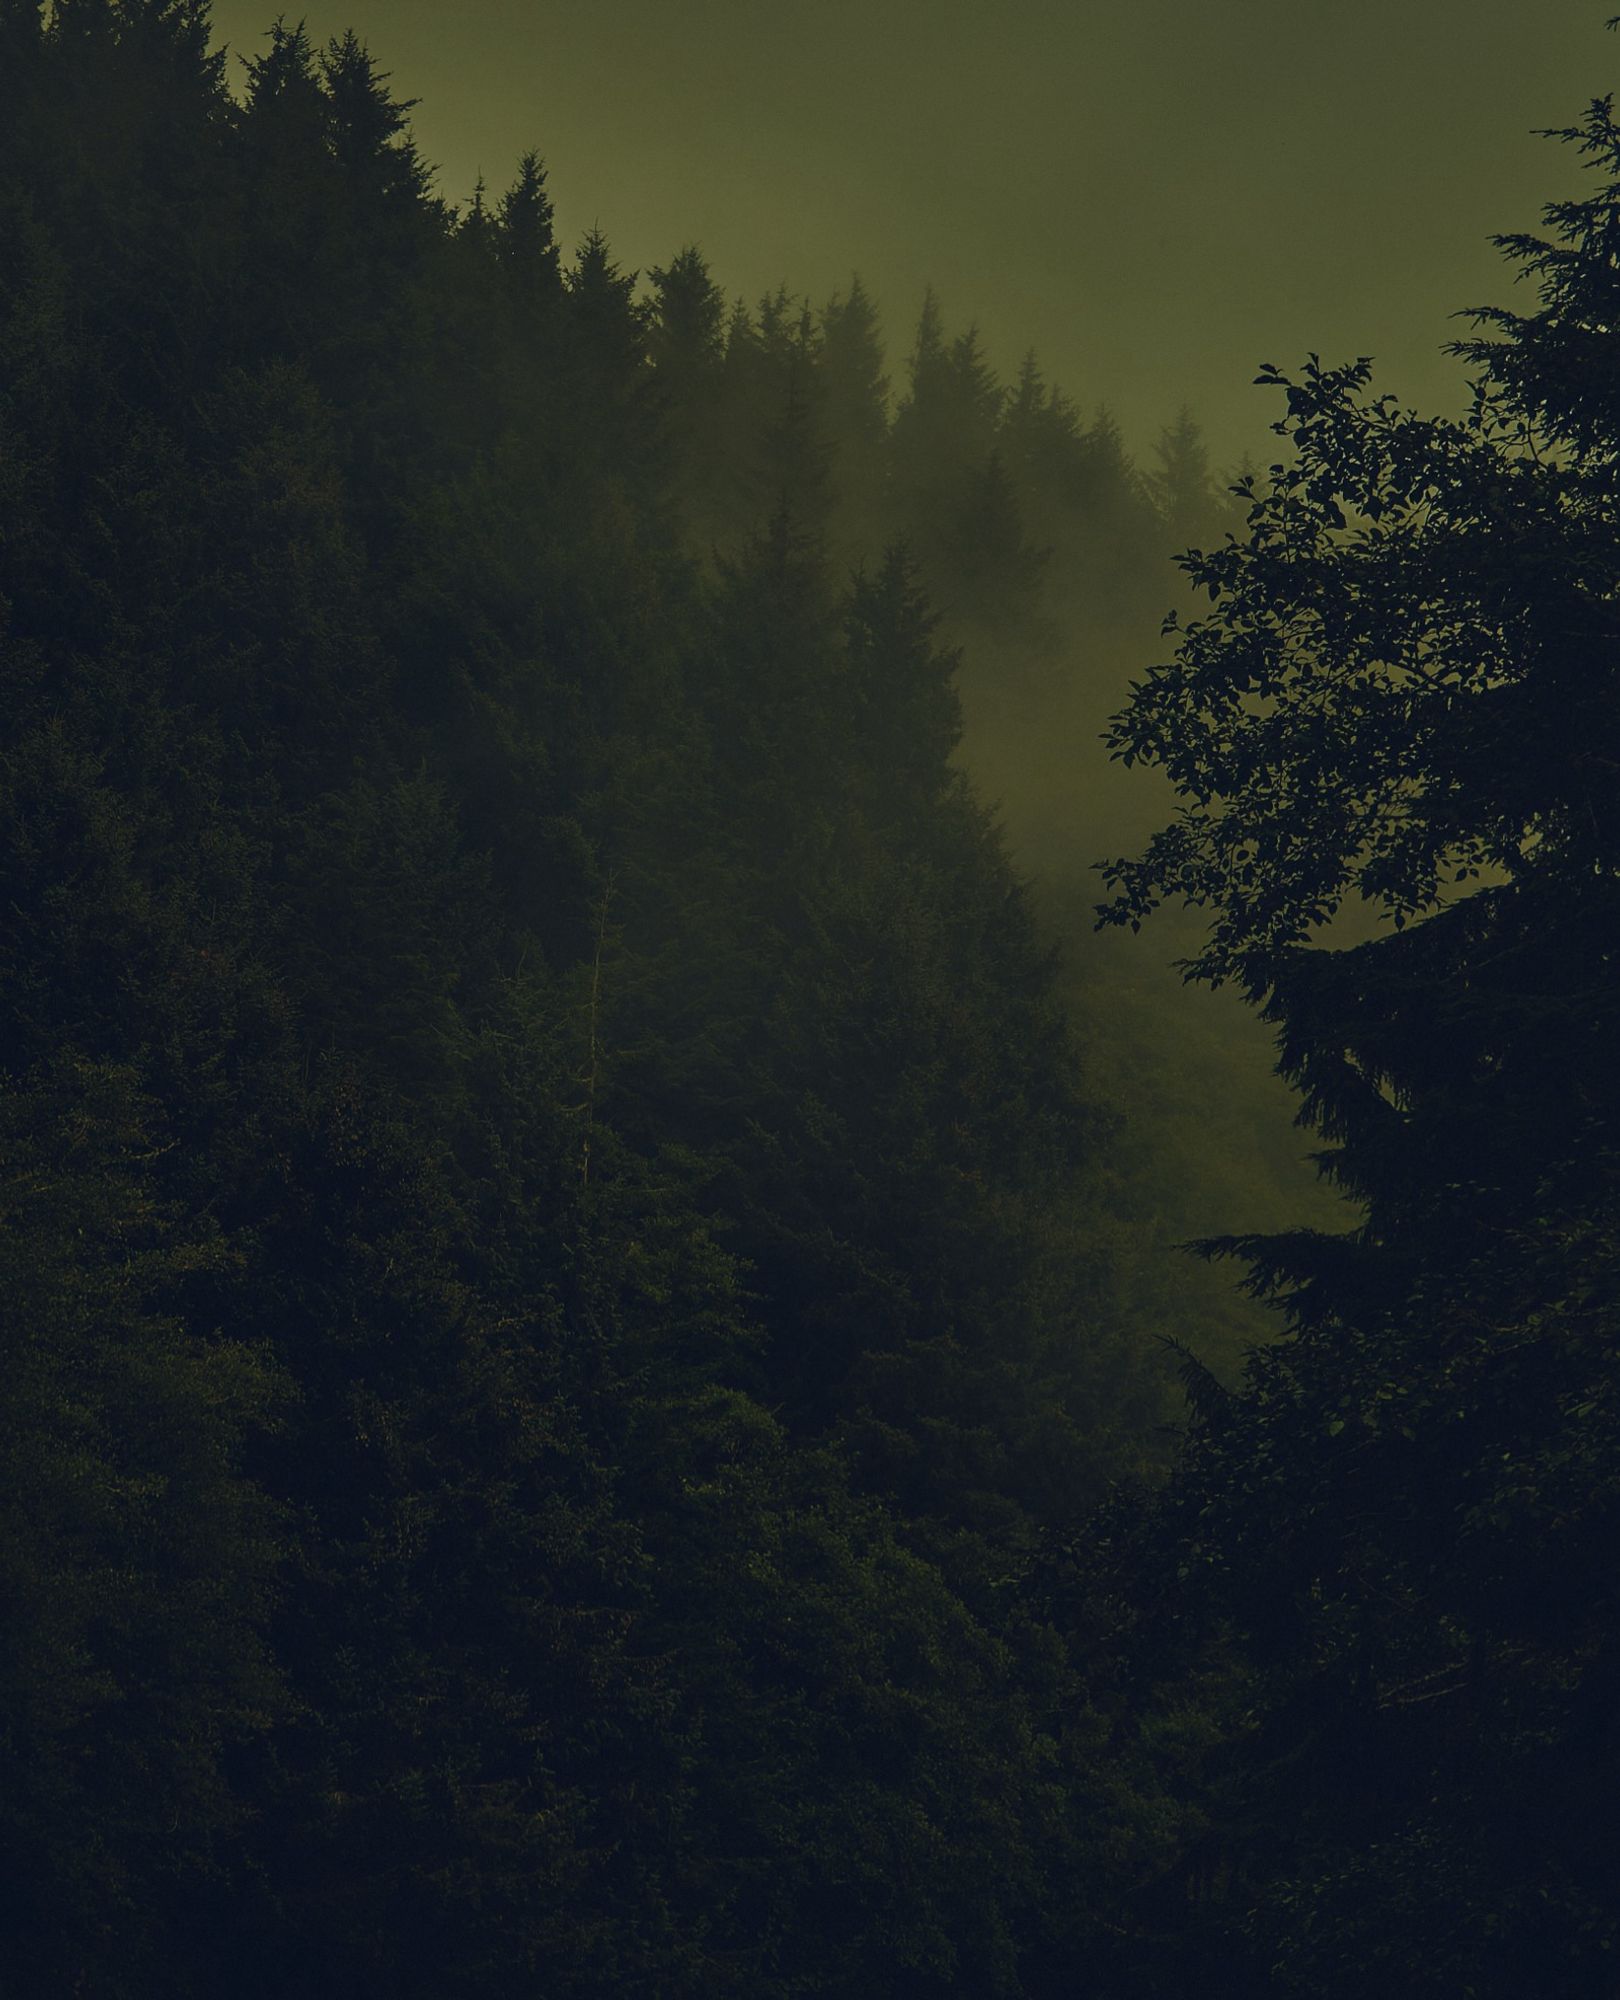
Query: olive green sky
pixel 1155 194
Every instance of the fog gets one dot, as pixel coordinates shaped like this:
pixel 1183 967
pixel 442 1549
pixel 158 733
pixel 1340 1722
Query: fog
pixel 1155 198
pixel 1158 195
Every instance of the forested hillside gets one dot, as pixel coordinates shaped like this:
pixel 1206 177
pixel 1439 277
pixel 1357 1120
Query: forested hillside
pixel 549 1296
pixel 1045 554
pixel 582 1286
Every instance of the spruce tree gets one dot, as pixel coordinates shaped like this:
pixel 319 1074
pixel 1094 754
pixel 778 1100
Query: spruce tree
pixel 1401 695
pixel 851 366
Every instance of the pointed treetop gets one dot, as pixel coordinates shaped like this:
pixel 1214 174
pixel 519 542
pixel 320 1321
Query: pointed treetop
pixel 1030 393
pixel 849 322
pixel 370 129
pixel 181 26
pixel 851 353
pixel 475 227
pixel 528 243
pixel 1183 488
pixel 82 21
pixel 781 320
pixel 171 37
pixel 287 66
pixel 603 310
pixel 1041 435
pixel 739 332
pixel 594 269
pixel 973 380
pixel 688 313
pixel 928 351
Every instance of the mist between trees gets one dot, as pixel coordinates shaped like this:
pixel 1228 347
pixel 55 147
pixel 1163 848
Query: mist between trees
pixel 1046 554
pixel 596 1398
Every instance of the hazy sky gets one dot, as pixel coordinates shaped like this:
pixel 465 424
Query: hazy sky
pixel 1157 195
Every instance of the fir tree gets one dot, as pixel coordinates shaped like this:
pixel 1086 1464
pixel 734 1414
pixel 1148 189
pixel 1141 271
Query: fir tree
pixel 851 366
pixel 525 243
pixel 1401 693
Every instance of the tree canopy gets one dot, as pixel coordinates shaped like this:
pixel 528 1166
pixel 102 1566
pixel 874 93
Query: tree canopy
pixel 577 1275
pixel 1403 695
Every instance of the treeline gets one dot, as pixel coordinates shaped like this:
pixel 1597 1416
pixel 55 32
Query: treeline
pixel 547 1289
pixel 1020 512
pixel 1046 553
pixel 574 1421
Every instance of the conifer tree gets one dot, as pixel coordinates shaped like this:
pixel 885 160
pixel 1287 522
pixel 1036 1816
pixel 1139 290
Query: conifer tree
pixel 288 196
pixel 995 571
pixel 851 365
pixel 543 1310
pixel 370 130
pixel 606 363
pixel 1401 694
pixel 685 341
pixel 686 347
pixel 943 440
pixel 1183 487
pixel 138 1558
pixel 525 242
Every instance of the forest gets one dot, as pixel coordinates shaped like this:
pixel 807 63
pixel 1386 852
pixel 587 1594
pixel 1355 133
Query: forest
pixel 596 1400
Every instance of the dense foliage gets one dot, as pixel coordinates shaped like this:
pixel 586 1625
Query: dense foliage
pixel 1399 1535
pixel 579 1417
pixel 547 1303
